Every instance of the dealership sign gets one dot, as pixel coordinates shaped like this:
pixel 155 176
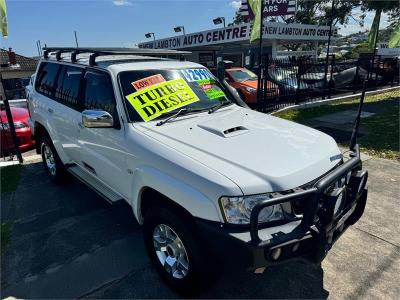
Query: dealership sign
pixel 271 8
pixel 230 34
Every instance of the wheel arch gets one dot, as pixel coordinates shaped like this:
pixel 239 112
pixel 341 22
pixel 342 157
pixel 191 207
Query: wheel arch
pixel 150 197
pixel 40 130
pixel 151 186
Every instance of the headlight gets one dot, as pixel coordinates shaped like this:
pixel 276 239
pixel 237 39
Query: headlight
pixel 17 125
pixel 251 90
pixel 237 210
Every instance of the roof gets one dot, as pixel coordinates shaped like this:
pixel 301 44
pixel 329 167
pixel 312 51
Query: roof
pixel 118 63
pixel 153 65
pixel 23 63
pixel 103 61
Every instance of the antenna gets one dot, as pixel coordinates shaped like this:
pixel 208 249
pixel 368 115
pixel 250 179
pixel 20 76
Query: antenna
pixel 76 39
pixel 353 140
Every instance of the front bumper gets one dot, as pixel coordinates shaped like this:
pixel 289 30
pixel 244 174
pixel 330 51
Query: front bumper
pixel 310 236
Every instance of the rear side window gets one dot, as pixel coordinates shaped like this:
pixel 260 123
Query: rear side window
pixel 67 87
pixel 46 78
pixel 98 92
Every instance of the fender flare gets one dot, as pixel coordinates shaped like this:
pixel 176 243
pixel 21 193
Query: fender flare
pixel 53 136
pixel 193 201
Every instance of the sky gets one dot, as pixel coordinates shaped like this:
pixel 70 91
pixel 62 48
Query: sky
pixel 116 23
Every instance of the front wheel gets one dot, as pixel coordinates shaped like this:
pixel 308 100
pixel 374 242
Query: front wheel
pixel 51 161
pixel 173 249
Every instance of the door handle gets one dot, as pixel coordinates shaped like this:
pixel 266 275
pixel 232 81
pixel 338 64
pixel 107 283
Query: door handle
pixel 50 110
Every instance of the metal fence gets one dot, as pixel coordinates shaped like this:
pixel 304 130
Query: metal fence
pixel 305 80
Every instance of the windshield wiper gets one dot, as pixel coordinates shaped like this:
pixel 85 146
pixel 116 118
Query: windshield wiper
pixel 218 106
pixel 178 113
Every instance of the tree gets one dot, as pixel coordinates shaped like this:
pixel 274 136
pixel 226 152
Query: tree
pixel 314 13
pixel 379 6
pixel 320 13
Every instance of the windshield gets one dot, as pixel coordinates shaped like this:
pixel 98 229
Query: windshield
pixel 151 94
pixel 242 75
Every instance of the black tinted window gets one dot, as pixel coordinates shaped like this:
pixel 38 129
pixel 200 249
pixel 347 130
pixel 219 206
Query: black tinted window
pixel 46 78
pixel 99 93
pixel 67 88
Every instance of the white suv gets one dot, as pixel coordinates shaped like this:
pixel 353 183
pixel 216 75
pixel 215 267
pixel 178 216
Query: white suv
pixel 206 177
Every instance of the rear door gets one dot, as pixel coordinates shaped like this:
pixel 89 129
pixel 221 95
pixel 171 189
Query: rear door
pixel 54 104
pixel 67 110
pixel 103 149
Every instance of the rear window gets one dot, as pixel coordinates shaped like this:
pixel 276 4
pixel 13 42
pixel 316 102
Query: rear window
pixel 45 79
pixel 67 88
pixel 152 94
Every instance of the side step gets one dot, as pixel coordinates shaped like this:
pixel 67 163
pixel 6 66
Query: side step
pixel 94 184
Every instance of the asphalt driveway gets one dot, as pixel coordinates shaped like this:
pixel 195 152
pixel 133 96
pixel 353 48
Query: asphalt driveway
pixel 69 243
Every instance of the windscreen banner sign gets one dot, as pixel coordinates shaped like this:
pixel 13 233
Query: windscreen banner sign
pixel 153 101
pixel 271 8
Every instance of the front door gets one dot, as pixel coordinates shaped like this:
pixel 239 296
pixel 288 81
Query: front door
pixel 103 149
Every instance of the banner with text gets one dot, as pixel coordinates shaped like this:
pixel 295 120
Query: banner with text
pixel 271 8
pixel 271 30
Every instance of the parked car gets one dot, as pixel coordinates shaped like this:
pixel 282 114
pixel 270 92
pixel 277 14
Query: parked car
pixel 289 84
pixel 246 83
pixel 205 177
pixel 20 117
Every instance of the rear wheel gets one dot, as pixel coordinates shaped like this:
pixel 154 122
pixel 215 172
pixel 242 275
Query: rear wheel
pixel 51 161
pixel 173 249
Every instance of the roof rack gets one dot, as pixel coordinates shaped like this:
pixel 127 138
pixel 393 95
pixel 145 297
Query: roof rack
pixel 100 51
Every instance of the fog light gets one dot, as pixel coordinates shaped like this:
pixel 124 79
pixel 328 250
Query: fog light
pixel 295 247
pixel 276 253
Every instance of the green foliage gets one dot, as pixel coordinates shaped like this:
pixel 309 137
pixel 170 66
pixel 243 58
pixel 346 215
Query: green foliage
pixel 394 39
pixel 382 138
pixel 355 52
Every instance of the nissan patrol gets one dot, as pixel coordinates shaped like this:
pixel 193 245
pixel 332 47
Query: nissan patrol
pixel 204 175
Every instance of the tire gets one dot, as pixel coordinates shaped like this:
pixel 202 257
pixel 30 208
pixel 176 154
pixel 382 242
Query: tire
pixel 184 254
pixel 51 161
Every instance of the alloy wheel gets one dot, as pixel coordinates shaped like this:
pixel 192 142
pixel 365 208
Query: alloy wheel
pixel 170 251
pixel 48 157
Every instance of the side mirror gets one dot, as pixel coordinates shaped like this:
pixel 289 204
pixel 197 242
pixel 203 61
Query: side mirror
pixel 97 119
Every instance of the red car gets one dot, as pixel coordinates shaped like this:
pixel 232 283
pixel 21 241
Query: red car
pixel 24 135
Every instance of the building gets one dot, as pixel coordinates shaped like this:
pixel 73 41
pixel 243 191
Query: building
pixel 233 42
pixel 15 72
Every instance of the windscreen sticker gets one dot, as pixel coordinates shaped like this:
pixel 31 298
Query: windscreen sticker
pixel 212 91
pixel 158 99
pixel 148 81
pixel 196 74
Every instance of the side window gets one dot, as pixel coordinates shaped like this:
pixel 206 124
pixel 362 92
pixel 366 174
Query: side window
pixel 46 78
pixel 99 93
pixel 67 87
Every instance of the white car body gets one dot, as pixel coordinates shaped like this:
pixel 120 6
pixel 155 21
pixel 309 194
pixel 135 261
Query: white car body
pixel 189 160
pixel 212 179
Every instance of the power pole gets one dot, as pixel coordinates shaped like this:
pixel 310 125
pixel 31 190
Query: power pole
pixel 329 44
pixel 259 92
